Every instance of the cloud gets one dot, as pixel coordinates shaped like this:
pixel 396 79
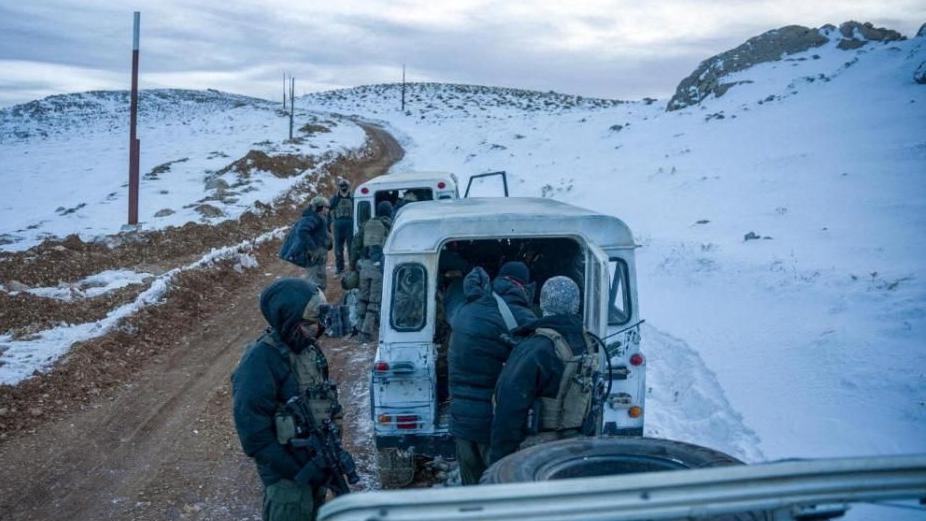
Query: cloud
pixel 612 48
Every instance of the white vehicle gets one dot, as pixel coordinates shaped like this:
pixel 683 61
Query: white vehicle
pixel 409 381
pixel 426 186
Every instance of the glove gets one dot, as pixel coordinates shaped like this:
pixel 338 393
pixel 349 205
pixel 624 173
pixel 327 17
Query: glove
pixel 313 474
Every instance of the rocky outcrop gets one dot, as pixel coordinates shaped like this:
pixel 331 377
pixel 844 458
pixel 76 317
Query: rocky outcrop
pixel 708 78
pixel 922 32
pixel 919 75
pixel 856 35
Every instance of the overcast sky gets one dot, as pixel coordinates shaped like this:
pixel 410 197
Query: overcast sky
pixel 606 48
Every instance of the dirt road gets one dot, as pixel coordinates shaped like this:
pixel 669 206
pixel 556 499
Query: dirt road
pixel 162 445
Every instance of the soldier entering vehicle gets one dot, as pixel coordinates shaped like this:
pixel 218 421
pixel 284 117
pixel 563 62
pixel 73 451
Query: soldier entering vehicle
pixel 367 258
pixel 548 388
pixel 342 222
pixel 479 347
pixel 284 405
pixel 308 242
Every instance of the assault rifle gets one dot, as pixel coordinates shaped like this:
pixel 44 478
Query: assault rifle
pixel 323 437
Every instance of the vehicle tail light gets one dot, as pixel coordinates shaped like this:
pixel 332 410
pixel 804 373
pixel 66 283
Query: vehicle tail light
pixel 364 190
pixel 635 411
pixel 636 359
pixel 407 422
pixel 441 185
pixel 380 366
pixel 384 419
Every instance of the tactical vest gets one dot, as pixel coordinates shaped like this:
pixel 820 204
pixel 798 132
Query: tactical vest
pixel 310 369
pixel 374 237
pixel 344 209
pixel 374 233
pixel 573 402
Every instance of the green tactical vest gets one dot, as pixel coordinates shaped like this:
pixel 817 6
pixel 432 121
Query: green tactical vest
pixel 374 234
pixel 310 368
pixel 573 401
pixel 344 209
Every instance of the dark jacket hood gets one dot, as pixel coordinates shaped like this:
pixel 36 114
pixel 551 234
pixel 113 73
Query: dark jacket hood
pixel 511 291
pixel 283 302
pixel 476 283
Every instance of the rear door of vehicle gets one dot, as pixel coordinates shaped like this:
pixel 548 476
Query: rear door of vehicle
pixel 624 405
pixel 483 187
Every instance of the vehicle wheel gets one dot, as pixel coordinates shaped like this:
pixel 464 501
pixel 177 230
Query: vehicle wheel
pixel 589 457
pixel 396 467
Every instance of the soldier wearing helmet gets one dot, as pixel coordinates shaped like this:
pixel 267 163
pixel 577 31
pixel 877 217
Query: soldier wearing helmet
pixel 366 256
pixel 342 222
pixel 308 242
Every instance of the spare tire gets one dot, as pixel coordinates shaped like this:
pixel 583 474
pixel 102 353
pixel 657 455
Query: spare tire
pixel 590 457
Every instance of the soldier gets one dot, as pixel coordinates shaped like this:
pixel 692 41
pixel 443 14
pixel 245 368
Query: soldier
pixel 308 242
pixel 546 390
pixel 479 347
pixel 367 258
pixel 284 362
pixel 342 217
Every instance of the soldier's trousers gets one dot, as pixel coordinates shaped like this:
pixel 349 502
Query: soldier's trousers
pixel 317 273
pixel 343 237
pixel 371 294
pixel 472 458
pixel 287 501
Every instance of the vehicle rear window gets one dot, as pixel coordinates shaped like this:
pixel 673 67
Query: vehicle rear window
pixel 619 296
pixel 409 297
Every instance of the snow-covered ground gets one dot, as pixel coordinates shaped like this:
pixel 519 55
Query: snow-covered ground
pixel 64 160
pixel 22 357
pixel 805 342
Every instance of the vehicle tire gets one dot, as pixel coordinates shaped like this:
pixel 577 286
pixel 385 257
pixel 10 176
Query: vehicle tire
pixel 589 457
pixel 396 467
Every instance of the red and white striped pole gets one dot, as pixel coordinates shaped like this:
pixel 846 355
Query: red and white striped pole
pixel 134 143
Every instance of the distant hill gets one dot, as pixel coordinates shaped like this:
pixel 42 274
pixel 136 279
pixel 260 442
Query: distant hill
pixel 110 109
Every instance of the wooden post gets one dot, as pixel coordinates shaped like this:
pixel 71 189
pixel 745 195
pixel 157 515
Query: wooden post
pixel 134 143
pixel 292 105
pixel 403 87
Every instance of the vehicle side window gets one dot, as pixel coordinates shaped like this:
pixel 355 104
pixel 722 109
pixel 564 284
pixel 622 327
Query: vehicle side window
pixel 363 212
pixel 409 297
pixel 619 297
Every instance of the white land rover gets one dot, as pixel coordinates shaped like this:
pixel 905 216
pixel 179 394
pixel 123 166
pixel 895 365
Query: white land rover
pixel 425 254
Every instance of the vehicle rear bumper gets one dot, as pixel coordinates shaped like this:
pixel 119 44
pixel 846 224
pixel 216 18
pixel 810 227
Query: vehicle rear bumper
pixel 430 445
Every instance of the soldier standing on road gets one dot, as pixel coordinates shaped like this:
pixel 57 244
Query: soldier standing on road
pixel 479 347
pixel 367 258
pixel 284 362
pixel 308 242
pixel 342 217
pixel 546 390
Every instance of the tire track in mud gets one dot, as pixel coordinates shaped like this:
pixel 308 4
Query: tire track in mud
pixel 162 445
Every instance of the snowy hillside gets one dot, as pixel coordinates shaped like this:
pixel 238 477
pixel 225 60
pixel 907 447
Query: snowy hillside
pixel 205 156
pixel 781 268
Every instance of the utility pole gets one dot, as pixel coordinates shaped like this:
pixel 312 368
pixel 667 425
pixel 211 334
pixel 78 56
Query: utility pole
pixel 284 92
pixel 134 143
pixel 292 105
pixel 403 87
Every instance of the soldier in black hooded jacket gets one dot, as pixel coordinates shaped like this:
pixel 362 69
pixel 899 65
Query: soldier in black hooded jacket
pixel 477 354
pixel 281 364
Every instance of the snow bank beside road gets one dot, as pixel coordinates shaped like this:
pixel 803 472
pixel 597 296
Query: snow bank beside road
pixel 88 287
pixel 19 359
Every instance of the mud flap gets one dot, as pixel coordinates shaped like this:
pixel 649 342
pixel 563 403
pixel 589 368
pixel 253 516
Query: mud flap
pixel 396 467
